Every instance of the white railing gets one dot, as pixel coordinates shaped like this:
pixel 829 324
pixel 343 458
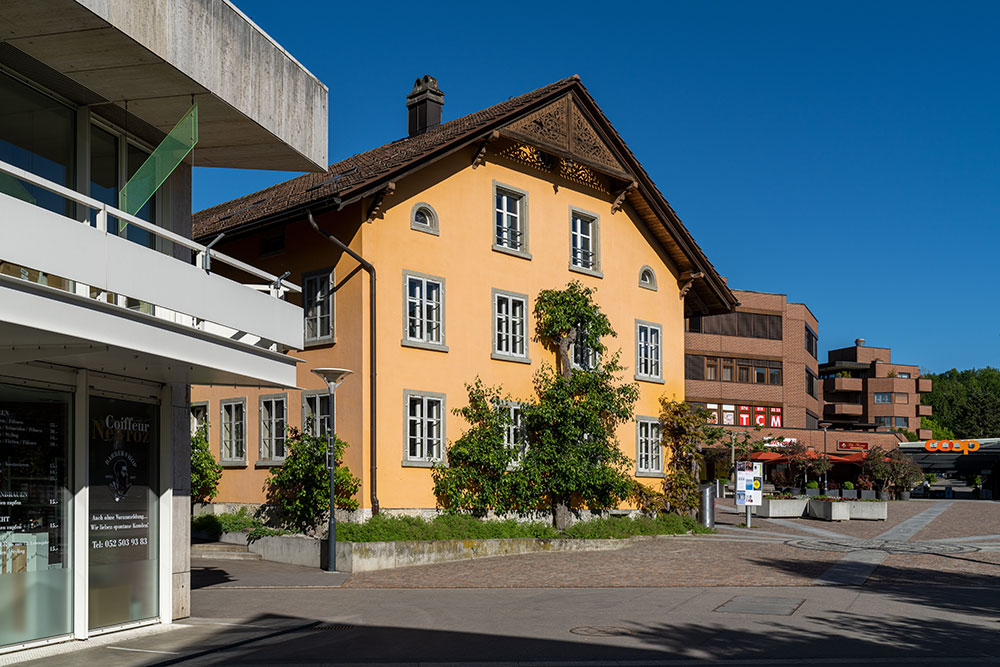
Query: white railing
pixel 196 298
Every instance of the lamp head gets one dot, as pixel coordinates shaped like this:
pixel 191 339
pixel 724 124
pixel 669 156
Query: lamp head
pixel 825 425
pixel 332 376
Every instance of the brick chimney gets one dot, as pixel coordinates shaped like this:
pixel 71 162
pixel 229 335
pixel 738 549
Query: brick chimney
pixel 424 104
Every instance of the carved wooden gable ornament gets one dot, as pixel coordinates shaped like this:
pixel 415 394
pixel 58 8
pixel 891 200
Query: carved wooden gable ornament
pixel 563 128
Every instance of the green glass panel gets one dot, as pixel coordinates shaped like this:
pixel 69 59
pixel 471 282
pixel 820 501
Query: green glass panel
pixel 154 171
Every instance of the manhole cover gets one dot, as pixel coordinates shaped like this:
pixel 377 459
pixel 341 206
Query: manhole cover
pixel 748 604
pixel 600 631
pixel 332 626
pixel 887 546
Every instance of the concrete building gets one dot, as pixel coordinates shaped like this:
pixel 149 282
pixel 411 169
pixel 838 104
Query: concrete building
pixel 465 222
pixel 756 366
pixel 864 390
pixel 108 315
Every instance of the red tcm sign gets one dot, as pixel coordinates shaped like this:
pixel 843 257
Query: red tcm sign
pixel 852 446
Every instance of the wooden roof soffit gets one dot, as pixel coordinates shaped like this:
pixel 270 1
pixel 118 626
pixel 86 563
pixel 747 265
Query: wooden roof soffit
pixel 620 199
pixel 375 210
pixel 699 305
pixel 483 145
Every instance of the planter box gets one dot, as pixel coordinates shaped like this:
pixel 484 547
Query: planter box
pixel 829 511
pixel 795 491
pixel 868 511
pixel 778 508
pixel 812 492
pixel 849 494
pixel 867 494
pixel 904 495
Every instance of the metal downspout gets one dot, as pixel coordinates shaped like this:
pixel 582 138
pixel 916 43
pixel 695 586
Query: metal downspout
pixel 370 269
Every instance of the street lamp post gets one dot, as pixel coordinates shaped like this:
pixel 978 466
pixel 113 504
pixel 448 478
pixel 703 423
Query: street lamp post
pixel 824 426
pixel 333 377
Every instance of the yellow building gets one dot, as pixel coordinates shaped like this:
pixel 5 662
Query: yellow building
pixel 464 223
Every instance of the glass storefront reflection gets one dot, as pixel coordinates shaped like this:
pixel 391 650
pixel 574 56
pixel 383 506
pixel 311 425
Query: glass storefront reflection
pixel 123 470
pixel 35 565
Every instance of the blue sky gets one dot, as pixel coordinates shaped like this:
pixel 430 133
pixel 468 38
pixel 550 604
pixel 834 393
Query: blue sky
pixel 845 153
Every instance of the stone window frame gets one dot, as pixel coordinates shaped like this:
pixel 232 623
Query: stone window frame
pixel 272 460
pixel 524 252
pixel 408 462
pixel 406 341
pixel 506 356
pixel 658 378
pixel 595 241
pixel 332 336
pixel 232 462
pixel 657 448
pixel 305 396
pixel 433 227
pixel 648 284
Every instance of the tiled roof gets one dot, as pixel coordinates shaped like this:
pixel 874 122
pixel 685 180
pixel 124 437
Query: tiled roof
pixel 356 172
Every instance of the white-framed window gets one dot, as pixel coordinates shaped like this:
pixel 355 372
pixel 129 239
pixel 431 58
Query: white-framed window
pixel 424 426
pixel 648 351
pixel 510 220
pixel 423 218
pixel 317 305
pixel 515 435
pixel 883 397
pixel 510 323
pixel 199 415
pixel 647 278
pixel 273 418
pixel 584 242
pixel 233 430
pixel 583 357
pixel 316 415
pixel 648 453
pixel 423 311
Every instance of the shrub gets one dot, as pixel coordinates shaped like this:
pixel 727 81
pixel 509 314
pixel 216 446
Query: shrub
pixel 849 486
pixel 205 470
pixel 930 478
pixel 812 484
pixel 301 485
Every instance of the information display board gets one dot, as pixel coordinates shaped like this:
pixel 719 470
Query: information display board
pixel 749 482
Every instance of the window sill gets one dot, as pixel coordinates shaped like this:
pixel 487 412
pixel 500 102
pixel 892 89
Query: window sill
pixel 523 254
pixel 407 463
pixel 651 288
pixel 588 272
pixel 659 475
pixel 268 463
pixel 506 357
pixel 233 464
pixel 318 342
pixel 646 378
pixel 420 345
pixel 417 227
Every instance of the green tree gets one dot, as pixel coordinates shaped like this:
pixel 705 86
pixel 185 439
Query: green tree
pixel 683 432
pixel 938 432
pixel 205 470
pixel 876 467
pixel 301 485
pixel 904 472
pixel 479 474
pixel 965 402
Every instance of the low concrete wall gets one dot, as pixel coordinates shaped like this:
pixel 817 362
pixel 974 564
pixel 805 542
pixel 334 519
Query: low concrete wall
pixel 782 508
pixel 868 510
pixel 830 510
pixel 370 556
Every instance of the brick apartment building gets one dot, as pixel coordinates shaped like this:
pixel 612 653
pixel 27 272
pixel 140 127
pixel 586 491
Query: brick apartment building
pixel 757 365
pixel 864 390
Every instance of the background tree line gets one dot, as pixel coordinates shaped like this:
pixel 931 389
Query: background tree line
pixel 966 403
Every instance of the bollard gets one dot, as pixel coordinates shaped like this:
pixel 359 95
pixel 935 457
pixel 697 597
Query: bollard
pixel 706 512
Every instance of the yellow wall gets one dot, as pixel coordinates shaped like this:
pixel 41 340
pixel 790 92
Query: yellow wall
pixel 462 255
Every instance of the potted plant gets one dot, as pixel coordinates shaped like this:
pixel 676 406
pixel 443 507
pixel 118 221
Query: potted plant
pixel 867 487
pixel 812 488
pixel 877 467
pixel 848 491
pixel 904 473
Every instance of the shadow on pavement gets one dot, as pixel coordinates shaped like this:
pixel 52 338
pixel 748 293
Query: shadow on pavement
pixel 963 592
pixel 205 576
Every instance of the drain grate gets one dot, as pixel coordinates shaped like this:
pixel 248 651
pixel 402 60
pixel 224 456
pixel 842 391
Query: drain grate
pixel 748 604
pixel 601 631
pixel 332 626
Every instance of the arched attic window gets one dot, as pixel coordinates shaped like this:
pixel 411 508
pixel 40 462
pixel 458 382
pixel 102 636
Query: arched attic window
pixel 647 278
pixel 423 218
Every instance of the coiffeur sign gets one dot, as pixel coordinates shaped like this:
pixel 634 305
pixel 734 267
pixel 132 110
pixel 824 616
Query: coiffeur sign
pixel 963 446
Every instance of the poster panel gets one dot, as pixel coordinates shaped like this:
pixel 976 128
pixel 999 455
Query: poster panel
pixel 123 511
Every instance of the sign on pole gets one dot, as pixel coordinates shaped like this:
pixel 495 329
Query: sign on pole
pixel 749 482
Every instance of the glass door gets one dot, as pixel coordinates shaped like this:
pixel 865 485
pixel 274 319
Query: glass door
pixel 123 470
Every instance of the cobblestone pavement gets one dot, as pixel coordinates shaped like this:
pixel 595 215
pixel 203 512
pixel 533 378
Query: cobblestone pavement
pixel 963 538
